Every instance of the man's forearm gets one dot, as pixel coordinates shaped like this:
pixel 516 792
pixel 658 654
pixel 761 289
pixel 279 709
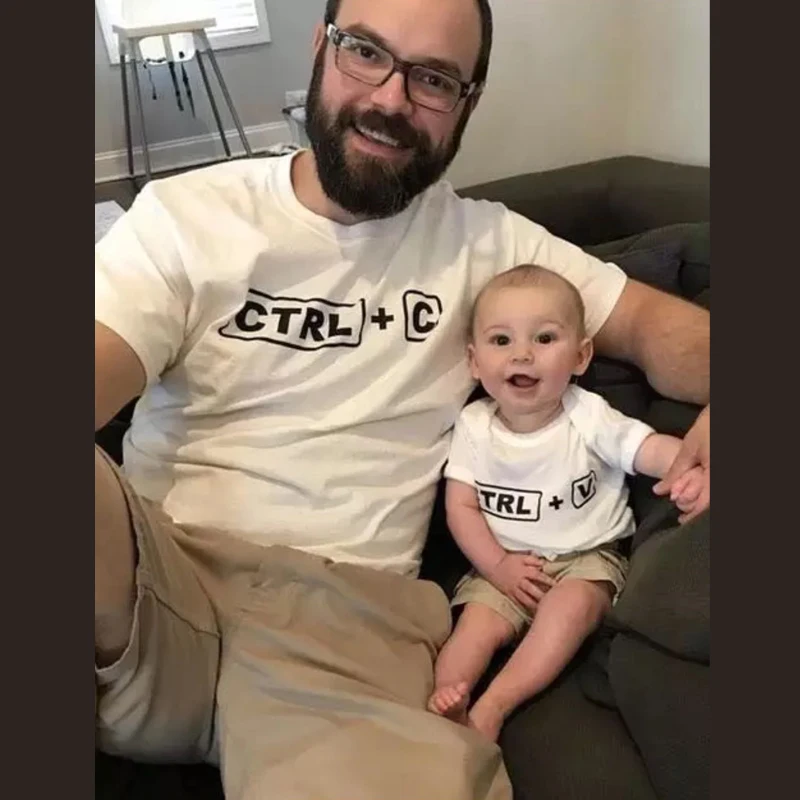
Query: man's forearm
pixel 665 336
pixel 675 353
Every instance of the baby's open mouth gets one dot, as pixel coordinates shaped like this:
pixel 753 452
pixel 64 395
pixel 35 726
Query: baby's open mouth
pixel 522 381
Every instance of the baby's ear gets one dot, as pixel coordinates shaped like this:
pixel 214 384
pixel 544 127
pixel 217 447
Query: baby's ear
pixel 585 353
pixel 473 366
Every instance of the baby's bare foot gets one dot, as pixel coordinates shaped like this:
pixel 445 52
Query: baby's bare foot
pixel 450 702
pixel 486 718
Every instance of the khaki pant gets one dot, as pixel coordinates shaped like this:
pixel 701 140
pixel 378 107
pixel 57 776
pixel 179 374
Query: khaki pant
pixel 600 564
pixel 302 678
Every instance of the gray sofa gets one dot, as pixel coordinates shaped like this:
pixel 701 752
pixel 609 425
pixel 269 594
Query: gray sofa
pixel 630 717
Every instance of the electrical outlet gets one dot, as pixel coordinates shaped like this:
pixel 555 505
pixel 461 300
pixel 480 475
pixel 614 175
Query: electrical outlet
pixel 297 97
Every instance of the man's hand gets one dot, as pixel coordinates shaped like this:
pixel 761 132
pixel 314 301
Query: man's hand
pixel 517 574
pixel 695 452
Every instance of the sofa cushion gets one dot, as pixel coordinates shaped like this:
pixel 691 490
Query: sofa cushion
pixel 651 658
pixel 666 599
pixel 561 746
pixel 674 258
pixel 666 705
pixel 118 778
pixel 658 265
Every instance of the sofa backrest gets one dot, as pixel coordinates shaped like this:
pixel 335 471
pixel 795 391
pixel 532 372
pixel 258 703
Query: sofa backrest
pixel 603 200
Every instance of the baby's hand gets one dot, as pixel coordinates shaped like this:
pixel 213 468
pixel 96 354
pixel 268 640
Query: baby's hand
pixel 691 493
pixel 516 576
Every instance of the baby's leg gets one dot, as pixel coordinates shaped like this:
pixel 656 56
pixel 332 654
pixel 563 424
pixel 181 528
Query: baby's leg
pixel 566 615
pixel 480 631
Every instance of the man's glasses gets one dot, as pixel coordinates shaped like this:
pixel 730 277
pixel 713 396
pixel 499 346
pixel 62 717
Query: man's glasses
pixel 367 62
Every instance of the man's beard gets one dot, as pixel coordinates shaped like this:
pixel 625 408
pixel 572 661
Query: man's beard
pixel 373 187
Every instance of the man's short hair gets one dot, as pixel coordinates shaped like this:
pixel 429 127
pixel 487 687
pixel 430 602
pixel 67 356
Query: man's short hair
pixel 481 66
pixel 534 275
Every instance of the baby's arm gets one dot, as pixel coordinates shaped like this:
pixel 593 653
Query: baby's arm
pixel 654 458
pixel 656 454
pixel 514 574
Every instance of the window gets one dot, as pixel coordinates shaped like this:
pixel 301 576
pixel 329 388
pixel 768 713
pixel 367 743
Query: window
pixel 239 22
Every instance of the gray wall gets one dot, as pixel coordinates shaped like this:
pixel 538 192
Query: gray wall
pixel 556 92
pixel 257 78
pixel 668 109
pixel 569 81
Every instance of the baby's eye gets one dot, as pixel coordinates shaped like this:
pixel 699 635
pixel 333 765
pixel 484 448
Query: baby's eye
pixel 500 339
pixel 546 338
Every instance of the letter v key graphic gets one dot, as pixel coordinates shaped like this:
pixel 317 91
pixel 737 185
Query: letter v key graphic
pixel 584 489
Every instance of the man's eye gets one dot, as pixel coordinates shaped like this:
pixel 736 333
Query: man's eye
pixel 545 338
pixel 500 339
pixel 366 52
pixel 433 80
pixel 360 49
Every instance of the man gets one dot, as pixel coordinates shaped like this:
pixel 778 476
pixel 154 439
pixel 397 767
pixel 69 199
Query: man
pixel 296 327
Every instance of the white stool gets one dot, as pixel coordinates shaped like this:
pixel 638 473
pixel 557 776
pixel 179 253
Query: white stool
pixel 130 36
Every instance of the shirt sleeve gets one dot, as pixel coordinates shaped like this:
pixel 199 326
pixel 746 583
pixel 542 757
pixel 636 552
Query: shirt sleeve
pixel 461 461
pixel 142 292
pixel 615 437
pixel 600 283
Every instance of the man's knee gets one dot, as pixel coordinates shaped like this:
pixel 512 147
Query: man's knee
pixel 114 563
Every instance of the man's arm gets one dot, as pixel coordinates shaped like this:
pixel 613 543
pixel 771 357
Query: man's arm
pixel 669 339
pixel 118 374
pixel 666 337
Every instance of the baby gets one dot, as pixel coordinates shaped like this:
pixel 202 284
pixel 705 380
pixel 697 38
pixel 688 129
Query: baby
pixel 536 497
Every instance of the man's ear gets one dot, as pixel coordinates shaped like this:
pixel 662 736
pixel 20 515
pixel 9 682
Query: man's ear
pixel 585 353
pixel 473 367
pixel 475 97
pixel 318 37
pixel 471 103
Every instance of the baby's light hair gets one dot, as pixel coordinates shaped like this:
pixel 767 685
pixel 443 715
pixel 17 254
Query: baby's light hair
pixel 533 275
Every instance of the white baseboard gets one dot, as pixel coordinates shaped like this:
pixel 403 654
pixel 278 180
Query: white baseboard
pixel 178 153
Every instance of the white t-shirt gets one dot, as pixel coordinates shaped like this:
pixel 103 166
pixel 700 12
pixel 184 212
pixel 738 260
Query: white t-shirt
pixel 558 490
pixel 303 377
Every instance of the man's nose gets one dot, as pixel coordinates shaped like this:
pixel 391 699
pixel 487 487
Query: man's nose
pixel 391 96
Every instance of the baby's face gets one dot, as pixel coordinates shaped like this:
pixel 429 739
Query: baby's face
pixel 526 347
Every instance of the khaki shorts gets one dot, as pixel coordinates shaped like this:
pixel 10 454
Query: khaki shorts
pixel 302 678
pixel 600 564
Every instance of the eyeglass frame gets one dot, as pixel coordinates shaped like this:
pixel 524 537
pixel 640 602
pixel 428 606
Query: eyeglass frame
pixel 334 35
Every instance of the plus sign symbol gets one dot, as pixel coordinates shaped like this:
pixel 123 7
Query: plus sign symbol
pixel 556 502
pixel 382 319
